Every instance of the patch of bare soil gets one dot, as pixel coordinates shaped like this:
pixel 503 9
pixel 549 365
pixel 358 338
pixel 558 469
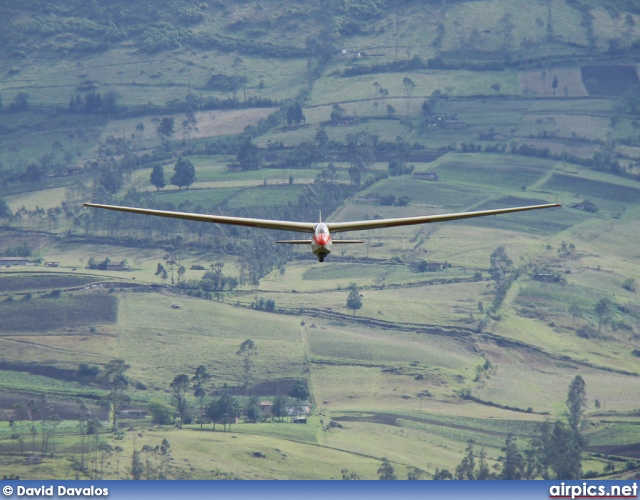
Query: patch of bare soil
pixel 214 123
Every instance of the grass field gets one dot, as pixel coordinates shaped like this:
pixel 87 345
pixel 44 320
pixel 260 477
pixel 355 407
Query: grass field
pixel 393 380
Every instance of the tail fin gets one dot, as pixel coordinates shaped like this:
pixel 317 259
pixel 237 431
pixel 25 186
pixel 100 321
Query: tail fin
pixel 320 215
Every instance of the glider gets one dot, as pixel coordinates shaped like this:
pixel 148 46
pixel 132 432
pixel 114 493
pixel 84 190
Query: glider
pixel 321 242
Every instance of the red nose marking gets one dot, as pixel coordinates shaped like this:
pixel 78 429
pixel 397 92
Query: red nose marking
pixel 322 239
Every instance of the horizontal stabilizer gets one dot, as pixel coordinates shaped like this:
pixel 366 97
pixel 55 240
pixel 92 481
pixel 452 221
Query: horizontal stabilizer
pixel 344 242
pixel 295 242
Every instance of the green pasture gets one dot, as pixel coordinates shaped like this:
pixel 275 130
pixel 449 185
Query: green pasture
pixel 43 198
pixel 361 345
pixel 16 282
pixel 41 314
pixel 521 14
pixel 603 352
pixel 489 173
pixel 544 222
pixel 266 196
pixel 614 434
pixel 628 193
pixel 538 378
pixel 451 196
pixel 202 197
pixel 333 89
pixel 29 135
pixel 276 175
pixel 309 433
pixel 22 381
pixel 203 333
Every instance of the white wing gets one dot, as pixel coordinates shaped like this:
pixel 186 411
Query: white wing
pixel 305 227
pixel 337 227
pixel 309 227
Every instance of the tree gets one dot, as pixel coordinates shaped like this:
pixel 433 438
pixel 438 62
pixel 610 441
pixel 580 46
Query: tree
pixel 294 114
pixel 252 410
pixel 603 311
pixel 179 387
pixel 354 301
pixel 563 452
pixel 386 472
pixel 247 352
pixel 185 173
pixel 337 113
pixel 166 130
pixel 105 450
pixel 441 475
pixel 577 403
pixel 224 409
pixel 575 312
pixel 390 110
pixel 200 382
pixel 20 102
pixel 162 272
pixel 299 391
pixel 248 156
pixel 279 408
pixel 512 462
pixel 157 177
pixel 117 382
pixel 349 476
pixel 466 468
pixel 161 412
pixel 409 87
pixel 137 468
pixel 5 211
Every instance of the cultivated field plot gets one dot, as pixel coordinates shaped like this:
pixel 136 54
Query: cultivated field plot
pixel 16 281
pixel 499 175
pixel 358 345
pixel 586 127
pixel 475 349
pixel 432 194
pixel 553 82
pixel 203 197
pixel 266 196
pixel 202 332
pixel 544 222
pixel 539 380
pixel 46 314
pixel 628 193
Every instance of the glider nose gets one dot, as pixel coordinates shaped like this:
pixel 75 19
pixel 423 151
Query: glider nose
pixel 322 239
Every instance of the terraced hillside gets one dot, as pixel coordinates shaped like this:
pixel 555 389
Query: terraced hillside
pixel 466 331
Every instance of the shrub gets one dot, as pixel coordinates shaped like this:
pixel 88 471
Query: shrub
pixel 161 412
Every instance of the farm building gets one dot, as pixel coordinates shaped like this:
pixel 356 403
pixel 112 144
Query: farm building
pixel 14 261
pixel 74 170
pixel 587 206
pixel 298 410
pixel 266 407
pixel 52 264
pixel 454 124
pixel 135 414
pixel 425 176
pixel 117 266
pixel 422 266
pixel 545 277
pixel 371 197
